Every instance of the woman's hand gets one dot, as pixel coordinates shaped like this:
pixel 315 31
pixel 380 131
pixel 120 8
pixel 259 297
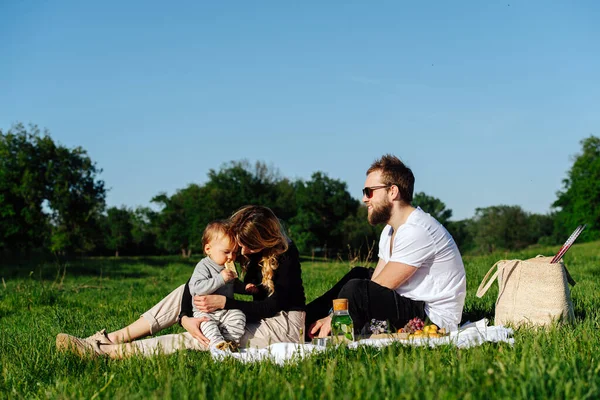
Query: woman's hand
pixel 192 325
pixel 321 328
pixel 210 302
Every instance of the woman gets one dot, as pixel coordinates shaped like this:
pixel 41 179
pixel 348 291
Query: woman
pixel 276 314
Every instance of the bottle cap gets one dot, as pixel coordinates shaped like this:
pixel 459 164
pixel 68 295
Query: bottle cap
pixel 340 304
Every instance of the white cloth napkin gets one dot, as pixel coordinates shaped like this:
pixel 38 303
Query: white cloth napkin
pixel 469 335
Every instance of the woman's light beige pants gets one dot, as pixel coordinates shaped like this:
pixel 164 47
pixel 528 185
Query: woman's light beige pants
pixel 285 326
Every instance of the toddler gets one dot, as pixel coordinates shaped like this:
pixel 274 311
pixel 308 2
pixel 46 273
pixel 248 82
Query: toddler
pixel 225 327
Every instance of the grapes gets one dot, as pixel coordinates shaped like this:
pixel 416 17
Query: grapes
pixel 413 325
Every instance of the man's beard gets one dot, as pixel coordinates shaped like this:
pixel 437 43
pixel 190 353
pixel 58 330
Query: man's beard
pixel 381 214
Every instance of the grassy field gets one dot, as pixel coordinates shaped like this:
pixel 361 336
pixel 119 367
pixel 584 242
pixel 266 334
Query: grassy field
pixel 38 302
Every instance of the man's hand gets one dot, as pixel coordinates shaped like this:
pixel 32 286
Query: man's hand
pixel 228 275
pixel 251 288
pixel 192 325
pixel 210 302
pixel 321 328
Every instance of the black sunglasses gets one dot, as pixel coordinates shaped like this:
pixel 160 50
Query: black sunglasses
pixel 368 191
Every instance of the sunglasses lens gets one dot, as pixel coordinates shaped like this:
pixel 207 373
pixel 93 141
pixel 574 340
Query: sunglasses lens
pixel 368 192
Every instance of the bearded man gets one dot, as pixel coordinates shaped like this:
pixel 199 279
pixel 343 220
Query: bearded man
pixel 420 272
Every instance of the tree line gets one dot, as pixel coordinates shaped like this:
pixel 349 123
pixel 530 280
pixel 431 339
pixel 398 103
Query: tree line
pixel 52 201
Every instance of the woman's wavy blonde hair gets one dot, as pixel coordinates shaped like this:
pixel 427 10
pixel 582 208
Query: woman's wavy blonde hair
pixel 257 227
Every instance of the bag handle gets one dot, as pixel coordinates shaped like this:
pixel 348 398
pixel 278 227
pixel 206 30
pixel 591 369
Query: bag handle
pixel 483 286
pixel 569 277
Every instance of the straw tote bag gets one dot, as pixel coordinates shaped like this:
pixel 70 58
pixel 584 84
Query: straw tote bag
pixel 531 292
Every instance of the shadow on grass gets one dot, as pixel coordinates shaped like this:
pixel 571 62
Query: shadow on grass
pixel 476 315
pixel 312 259
pixel 122 267
pixel 360 261
pixel 580 314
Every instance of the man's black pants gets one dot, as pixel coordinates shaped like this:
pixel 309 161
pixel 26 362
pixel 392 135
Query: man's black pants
pixel 366 300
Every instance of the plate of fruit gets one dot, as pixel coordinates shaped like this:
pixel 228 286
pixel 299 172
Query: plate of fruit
pixel 416 329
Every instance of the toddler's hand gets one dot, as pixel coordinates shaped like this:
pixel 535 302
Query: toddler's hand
pixel 251 288
pixel 228 275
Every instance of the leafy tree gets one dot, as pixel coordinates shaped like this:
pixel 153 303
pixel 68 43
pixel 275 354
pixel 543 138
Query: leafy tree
pixel 238 183
pixel 500 227
pixel 50 196
pixel 144 230
pixel 75 199
pixel 23 222
pixel 230 188
pixel 300 230
pixel 323 204
pixel 119 229
pixel 541 229
pixel 283 202
pixel 184 215
pixel 461 232
pixel 579 201
pixel 182 219
pixel 433 206
pixel 360 237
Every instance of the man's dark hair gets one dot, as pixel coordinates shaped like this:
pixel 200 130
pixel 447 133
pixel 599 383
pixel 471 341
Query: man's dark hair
pixel 394 172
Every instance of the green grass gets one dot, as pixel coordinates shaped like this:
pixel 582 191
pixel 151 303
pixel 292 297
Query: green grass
pixel 90 294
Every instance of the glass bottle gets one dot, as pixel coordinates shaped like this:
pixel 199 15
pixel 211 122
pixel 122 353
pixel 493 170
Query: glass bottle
pixel 342 327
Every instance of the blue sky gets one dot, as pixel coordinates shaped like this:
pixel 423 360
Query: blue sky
pixel 486 101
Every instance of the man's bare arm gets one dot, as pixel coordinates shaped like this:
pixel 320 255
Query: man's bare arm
pixel 378 268
pixel 393 274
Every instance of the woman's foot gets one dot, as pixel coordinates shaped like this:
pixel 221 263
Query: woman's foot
pixel 131 332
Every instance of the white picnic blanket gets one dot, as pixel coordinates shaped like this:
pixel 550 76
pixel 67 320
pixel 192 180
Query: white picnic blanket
pixel 469 335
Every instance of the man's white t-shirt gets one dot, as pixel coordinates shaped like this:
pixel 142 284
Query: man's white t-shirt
pixel 439 281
